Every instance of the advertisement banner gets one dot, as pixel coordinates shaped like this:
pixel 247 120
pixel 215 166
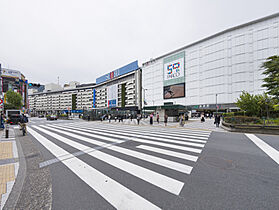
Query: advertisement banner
pixel 174 91
pixel 112 93
pixel 94 98
pixel 174 69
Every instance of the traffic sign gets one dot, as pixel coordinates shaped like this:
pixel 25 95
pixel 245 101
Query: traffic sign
pixel 1 101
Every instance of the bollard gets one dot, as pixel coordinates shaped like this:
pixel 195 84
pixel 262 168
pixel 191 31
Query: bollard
pixel 7 133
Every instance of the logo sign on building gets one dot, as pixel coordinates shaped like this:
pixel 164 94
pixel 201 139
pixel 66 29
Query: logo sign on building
pixel 174 76
pixel 174 69
pixel 118 72
pixel 112 91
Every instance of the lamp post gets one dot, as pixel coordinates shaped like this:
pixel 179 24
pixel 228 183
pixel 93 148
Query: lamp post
pixel 216 104
pixel 144 89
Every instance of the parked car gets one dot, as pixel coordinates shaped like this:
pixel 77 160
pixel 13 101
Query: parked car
pixel 51 117
pixel 41 116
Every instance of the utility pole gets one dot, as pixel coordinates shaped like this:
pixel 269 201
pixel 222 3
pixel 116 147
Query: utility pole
pixel 216 104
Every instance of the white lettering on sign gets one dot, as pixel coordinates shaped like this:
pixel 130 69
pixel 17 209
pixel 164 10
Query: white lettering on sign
pixel 174 69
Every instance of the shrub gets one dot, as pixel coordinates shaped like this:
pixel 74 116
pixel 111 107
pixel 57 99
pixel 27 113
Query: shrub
pixel 242 120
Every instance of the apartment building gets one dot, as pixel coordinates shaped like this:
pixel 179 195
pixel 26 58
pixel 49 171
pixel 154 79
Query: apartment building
pixel 74 99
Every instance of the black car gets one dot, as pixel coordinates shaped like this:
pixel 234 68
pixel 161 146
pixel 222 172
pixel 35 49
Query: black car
pixel 14 119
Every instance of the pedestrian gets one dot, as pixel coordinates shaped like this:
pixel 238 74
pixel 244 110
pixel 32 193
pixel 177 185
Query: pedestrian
pixel 180 120
pixel 88 117
pixel 138 118
pixel 131 117
pixel 217 120
pixel 202 119
pixel 151 119
pixel 115 118
pixel 166 119
pixel 158 118
pixel 109 117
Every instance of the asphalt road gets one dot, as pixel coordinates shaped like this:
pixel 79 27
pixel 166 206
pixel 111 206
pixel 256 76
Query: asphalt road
pixel 97 165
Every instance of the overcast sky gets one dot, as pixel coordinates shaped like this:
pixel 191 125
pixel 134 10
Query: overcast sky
pixel 83 39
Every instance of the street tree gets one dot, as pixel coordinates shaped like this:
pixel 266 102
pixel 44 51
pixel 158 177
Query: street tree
pixel 249 103
pixel 14 100
pixel 271 71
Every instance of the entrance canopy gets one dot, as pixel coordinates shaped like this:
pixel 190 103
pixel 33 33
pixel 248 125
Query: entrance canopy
pixel 171 106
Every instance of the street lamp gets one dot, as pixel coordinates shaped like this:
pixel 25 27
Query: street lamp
pixel 216 104
pixel 144 89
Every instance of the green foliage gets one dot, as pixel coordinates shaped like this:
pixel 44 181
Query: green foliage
pixel 271 82
pixel 243 120
pixel 14 99
pixel 248 103
pixel 255 105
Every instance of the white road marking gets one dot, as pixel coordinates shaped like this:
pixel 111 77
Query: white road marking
pixel 169 184
pixel 169 152
pixel 116 194
pixel 149 158
pixel 189 149
pixel 270 151
pixel 132 134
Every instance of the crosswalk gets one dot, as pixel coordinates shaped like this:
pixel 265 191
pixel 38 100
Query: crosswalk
pixel 126 148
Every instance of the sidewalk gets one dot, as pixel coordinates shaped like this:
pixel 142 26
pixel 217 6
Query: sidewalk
pixel 190 124
pixel 8 164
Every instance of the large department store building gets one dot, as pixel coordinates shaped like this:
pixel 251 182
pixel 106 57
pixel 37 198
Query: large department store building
pixel 211 73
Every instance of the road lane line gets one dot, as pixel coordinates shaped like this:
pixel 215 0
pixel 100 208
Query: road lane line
pixel 116 194
pixel 169 152
pixel 270 151
pixel 184 148
pixel 132 134
pixel 169 184
pixel 149 158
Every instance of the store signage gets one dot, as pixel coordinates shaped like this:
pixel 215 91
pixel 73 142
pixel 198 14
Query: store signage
pixel 118 72
pixel 10 73
pixel 173 69
pixel 94 98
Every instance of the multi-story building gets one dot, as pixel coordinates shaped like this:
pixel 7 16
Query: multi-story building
pixel 119 89
pixel 211 73
pixel 14 80
pixel 74 99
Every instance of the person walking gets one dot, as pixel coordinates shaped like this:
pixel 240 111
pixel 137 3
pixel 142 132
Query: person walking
pixel 166 119
pixel 217 120
pixel 202 119
pixel 180 120
pixel 151 118
pixel 109 117
pixel 138 118
pixel 158 118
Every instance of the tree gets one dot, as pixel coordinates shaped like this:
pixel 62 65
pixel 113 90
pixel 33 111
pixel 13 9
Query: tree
pixel 271 82
pixel 14 100
pixel 249 103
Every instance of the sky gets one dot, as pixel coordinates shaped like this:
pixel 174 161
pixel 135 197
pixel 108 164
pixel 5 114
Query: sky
pixel 80 40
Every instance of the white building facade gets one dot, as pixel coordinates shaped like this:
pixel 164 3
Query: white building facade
pixel 224 64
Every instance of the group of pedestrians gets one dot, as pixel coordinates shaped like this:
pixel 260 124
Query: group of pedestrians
pixel 151 116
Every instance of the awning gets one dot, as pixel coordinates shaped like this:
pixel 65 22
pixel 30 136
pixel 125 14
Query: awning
pixel 171 106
